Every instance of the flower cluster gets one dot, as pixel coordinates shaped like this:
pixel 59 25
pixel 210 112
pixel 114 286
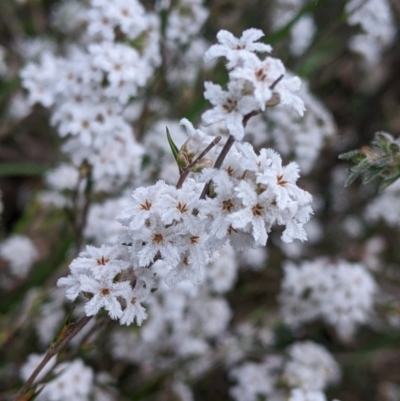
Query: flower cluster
pixel 302 32
pixel 254 83
pixel 88 87
pixel 20 253
pixel 185 226
pixel 384 207
pixel 307 368
pixel 190 209
pixel 107 279
pixel 342 294
pixel 177 329
pixel 301 139
pixel 73 380
pixel 248 195
pixel 377 25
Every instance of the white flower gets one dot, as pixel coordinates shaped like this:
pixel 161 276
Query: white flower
pixel 159 239
pixel 130 16
pixel 179 204
pixel 341 294
pixel 134 309
pixel 230 106
pixel 193 258
pixel 235 50
pixel 255 380
pixel 310 367
pixel 268 78
pixel 218 209
pixel 75 381
pixel 103 262
pixel 302 34
pixel 144 199
pixel 38 79
pixel 105 295
pixel 301 395
pixel 101 226
pixel 63 177
pixel 197 140
pixel 100 25
pixel 185 20
pixel 20 252
pixel 185 270
pixel 281 181
pixel 378 26
pixel 73 285
pixel 222 272
pixel 257 213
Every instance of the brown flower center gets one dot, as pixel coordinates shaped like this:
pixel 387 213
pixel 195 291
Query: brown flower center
pixel 146 205
pixel 261 74
pixel 105 292
pixel 230 105
pixel 182 207
pixel 158 238
pixel 281 181
pixel 193 239
pixel 257 210
pixel 102 261
pixel 227 205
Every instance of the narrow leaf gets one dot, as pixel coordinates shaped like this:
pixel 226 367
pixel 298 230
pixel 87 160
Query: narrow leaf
pixel 371 174
pixel 351 179
pixel 64 328
pixel 174 148
pixel 22 169
pixel 349 155
pixel 382 162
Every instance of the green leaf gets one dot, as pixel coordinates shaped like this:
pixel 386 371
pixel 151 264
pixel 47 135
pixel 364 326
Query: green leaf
pixel 64 327
pixel 382 162
pixel 351 179
pixel 36 395
pixel 22 169
pixel 174 148
pixel 349 155
pixel 361 167
pixel 389 174
pixel 371 174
